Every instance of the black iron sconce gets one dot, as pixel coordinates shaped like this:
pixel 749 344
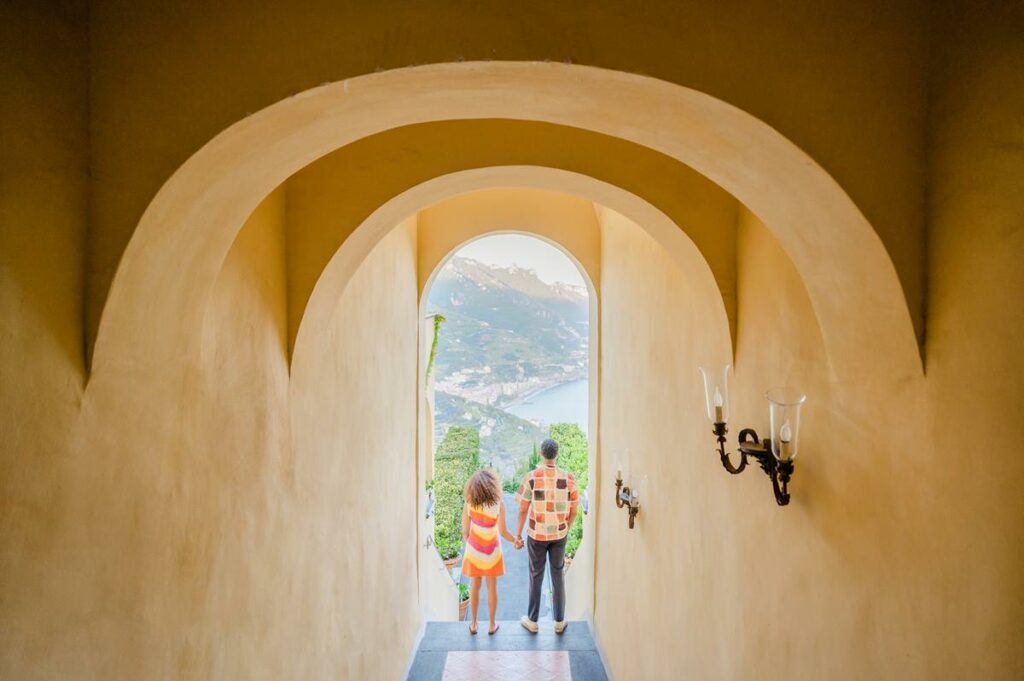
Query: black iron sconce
pixel 775 454
pixel 627 495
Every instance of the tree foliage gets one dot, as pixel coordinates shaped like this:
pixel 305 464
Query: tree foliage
pixel 573 457
pixel 572 451
pixel 457 457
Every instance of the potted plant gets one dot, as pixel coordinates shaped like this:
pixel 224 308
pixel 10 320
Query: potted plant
pixel 463 601
pixel 448 545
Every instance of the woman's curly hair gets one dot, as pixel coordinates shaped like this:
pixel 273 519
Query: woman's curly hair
pixel 483 488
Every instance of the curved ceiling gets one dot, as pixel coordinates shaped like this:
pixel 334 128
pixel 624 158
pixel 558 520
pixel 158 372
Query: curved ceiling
pixel 153 313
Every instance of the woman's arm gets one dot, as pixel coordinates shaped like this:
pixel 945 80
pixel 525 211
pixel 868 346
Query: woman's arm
pixel 465 521
pixel 501 524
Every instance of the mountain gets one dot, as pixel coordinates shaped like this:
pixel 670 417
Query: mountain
pixel 507 335
pixel 506 325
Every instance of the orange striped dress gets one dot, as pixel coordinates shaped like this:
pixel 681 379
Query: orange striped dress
pixel 483 548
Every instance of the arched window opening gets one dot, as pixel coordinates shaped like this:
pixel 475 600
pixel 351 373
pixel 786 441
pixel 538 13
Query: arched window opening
pixel 508 318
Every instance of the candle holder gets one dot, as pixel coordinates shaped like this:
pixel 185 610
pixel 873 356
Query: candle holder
pixel 779 471
pixel 775 454
pixel 628 496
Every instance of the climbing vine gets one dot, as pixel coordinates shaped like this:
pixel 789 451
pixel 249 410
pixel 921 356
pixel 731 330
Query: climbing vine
pixel 438 320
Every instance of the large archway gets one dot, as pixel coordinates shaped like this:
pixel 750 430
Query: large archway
pixel 195 216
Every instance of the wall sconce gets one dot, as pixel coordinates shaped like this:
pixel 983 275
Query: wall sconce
pixel 775 455
pixel 628 493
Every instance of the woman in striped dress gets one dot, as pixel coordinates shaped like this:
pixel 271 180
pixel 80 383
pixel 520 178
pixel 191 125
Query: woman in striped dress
pixel 483 518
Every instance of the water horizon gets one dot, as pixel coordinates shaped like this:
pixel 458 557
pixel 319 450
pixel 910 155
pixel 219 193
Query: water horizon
pixel 567 402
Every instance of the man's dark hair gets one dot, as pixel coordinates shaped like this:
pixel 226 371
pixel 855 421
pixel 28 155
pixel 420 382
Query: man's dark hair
pixel 549 449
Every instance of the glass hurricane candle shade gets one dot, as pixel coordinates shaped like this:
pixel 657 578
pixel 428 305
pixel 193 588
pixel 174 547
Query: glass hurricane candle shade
pixel 716 392
pixel 784 418
pixel 637 488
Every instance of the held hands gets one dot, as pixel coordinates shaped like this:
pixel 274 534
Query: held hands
pixel 517 542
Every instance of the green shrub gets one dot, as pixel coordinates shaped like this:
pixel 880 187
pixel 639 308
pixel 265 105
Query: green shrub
pixel 573 457
pixel 572 451
pixel 572 541
pixel 457 457
pixel 463 592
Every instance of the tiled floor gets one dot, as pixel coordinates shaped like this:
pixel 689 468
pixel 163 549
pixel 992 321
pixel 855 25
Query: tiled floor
pixel 507 665
pixel 448 650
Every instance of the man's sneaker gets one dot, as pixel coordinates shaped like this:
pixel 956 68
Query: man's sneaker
pixel 529 624
pixel 560 626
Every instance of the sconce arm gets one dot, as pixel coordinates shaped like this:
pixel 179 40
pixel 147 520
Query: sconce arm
pixel 782 471
pixel 779 471
pixel 720 432
pixel 624 498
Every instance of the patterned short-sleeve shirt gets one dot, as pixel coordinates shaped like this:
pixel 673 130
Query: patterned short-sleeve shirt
pixel 551 493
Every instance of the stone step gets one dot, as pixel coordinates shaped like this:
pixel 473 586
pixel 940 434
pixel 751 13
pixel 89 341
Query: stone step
pixel 440 638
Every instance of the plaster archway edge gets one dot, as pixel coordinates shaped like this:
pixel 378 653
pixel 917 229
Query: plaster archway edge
pixel 343 265
pixel 155 307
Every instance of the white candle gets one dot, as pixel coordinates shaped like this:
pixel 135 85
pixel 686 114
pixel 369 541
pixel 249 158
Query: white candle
pixel 785 435
pixel 618 473
pixel 719 403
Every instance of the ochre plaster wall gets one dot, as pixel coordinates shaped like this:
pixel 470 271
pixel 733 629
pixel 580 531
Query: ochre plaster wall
pixel 845 81
pixel 890 559
pixel 44 186
pixel 975 363
pixel 204 526
pixel 654 617
pixel 354 424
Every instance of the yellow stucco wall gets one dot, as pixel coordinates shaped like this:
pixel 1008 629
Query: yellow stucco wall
pixel 353 406
pixel 204 528
pixel 869 562
pixel 44 146
pixel 653 608
pixel 975 366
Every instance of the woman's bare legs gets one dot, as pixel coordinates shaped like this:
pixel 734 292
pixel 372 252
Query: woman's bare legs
pixel 474 600
pixel 492 600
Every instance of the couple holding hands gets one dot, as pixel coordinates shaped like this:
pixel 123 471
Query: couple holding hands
pixel 548 498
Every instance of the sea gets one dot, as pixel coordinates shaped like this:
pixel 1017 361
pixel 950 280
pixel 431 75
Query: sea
pixel 563 403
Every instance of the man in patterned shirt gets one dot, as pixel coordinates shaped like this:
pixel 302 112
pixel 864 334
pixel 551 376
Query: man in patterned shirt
pixel 548 495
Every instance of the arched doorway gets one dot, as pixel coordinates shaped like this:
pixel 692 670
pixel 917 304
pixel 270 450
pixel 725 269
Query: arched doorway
pixel 510 366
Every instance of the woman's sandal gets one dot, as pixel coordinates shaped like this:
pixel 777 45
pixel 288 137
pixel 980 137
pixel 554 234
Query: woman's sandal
pixel 472 631
pixel 491 631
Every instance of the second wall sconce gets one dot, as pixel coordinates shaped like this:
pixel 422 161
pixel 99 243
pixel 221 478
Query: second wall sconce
pixel 628 493
pixel 775 455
